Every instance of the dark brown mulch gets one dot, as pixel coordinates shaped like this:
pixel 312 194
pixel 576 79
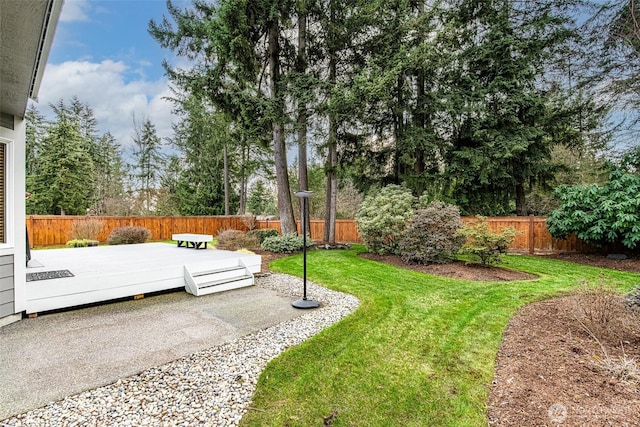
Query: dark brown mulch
pixel 549 371
pixel 631 264
pixel 458 269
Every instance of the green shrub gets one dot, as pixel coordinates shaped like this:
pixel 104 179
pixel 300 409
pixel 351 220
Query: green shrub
pixel 81 243
pixel 600 215
pixel 287 243
pixel 383 217
pixel 483 244
pixel 128 235
pixel 232 240
pixel 432 235
pixel 262 233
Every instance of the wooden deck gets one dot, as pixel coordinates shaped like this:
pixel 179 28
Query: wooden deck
pixel 110 272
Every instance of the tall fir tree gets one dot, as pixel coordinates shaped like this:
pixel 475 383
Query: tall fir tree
pixel 225 40
pixel 64 183
pixel 147 164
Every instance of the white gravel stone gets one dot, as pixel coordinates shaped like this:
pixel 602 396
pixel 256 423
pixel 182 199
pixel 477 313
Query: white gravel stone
pixel 212 387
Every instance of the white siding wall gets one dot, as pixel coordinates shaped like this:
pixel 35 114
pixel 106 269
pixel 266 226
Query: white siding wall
pixel 15 210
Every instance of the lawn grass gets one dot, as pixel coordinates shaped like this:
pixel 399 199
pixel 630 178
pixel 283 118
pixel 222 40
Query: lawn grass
pixel 419 350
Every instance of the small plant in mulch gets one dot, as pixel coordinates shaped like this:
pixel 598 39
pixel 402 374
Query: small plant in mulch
pixel 597 308
pixel 604 316
pixel 128 235
pixel 484 245
pixel 232 240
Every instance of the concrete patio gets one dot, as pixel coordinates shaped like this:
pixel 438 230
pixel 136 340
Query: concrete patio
pixel 59 354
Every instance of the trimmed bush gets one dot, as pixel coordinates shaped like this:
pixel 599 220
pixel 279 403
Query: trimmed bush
pixel 432 235
pixel 483 244
pixel 287 243
pixel 262 233
pixel 129 235
pixel 383 218
pixel 232 240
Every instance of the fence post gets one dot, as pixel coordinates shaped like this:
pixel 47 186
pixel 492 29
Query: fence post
pixel 532 243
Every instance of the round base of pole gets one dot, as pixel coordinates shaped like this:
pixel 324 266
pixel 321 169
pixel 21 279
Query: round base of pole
pixel 305 303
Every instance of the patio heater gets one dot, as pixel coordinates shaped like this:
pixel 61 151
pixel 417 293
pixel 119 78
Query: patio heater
pixel 304 302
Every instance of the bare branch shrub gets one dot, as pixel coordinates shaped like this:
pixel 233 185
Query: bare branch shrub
pixel 232 240
pixel 86 229
pixel 129 235
pixel 250 220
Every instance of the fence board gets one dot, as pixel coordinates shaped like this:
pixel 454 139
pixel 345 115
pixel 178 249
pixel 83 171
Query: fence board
pixel 48 230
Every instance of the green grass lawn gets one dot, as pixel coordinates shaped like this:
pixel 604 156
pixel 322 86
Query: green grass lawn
pixel 419 351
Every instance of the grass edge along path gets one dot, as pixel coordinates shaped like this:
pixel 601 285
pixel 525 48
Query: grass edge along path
pixel 420 349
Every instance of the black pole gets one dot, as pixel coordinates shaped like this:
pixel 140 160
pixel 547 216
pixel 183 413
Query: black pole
pixel 304 302
pixel 304 247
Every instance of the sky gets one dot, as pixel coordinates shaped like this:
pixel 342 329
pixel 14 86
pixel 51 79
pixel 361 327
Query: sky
pixel 103 54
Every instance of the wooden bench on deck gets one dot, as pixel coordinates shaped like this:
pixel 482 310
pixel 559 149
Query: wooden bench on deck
pixel 192 240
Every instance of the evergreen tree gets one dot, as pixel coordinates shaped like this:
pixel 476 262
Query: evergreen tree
pixel 500 143
pixel 110 176
pixel 226 40
pixel 64 183
pixel 35 133
pixel 168 203
pixel 200 137
pixel 148 163
pixel 260 200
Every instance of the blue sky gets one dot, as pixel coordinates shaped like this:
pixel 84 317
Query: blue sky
pixel 103 54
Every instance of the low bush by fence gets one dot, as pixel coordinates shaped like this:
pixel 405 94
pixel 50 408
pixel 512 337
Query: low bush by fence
pixel 49 230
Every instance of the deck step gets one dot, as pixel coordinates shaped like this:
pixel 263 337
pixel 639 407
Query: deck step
pixel 223 281
pixel 208 281
pixel 218 270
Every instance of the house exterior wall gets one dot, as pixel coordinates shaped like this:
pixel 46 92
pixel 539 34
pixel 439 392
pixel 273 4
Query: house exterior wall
pixel 13 252
pixel 7 286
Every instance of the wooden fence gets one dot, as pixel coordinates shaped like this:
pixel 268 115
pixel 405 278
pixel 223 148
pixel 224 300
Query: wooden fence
pixel 47 230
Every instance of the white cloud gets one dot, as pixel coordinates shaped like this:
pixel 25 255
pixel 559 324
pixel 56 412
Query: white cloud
pixel 109 90
pixel 75 11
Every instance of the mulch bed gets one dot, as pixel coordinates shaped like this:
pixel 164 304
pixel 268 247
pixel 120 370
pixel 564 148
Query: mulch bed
pixel 457 270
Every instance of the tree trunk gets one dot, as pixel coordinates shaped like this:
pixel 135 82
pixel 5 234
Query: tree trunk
pixel 331 166
pixel 521 209
pixel 420 119
pixel 301 67
pixel 226 179
pixel 243 180
pixel 287 221
pixel 398 132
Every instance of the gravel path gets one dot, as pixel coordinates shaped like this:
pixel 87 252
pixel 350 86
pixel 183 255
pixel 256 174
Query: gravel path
pixel 212 387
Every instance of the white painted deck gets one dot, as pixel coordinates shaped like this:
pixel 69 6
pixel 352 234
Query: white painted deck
pixel 109 272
